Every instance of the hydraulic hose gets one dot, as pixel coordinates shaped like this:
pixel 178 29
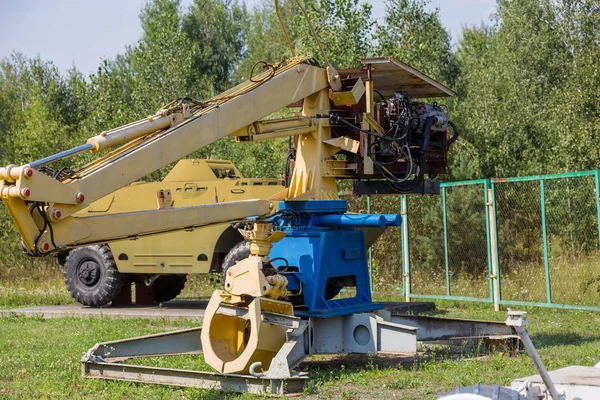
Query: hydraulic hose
pixel 418 179
pixel 449 141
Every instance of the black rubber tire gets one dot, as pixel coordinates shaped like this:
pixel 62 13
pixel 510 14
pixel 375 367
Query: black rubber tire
pixel 91 275
pixel 331 291
pixel 237 253
pixel 167 287
pixel 242 250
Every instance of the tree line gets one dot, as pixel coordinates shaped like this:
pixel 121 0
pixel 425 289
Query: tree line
pixel 527 79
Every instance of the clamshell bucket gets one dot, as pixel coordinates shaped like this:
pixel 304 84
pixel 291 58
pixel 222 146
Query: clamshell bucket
pixel 236 338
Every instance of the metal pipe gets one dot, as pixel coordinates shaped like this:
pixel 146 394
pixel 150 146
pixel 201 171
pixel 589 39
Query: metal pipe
pixel 405 248
pixel 517 320
pixel 287 38
pixel 119 136
pixel 253 368
pixel 522 332
pixel 392 219
pixel 10 173
pixel 62 155
pixel 352 220
pixel 312 30
pixel 279 124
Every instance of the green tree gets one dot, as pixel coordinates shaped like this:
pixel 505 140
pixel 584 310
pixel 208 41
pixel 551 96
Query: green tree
pixel 343 28
pixel 41 113
pixel 528 87
pixel 215 29
pixel 112 100
pixel 416 36
pixel 161 61
pixel 264 38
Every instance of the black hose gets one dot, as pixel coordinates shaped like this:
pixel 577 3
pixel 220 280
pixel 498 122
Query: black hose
pixel 291 157
pixel 287 264
pixel 449 141
pixel 380 95
pixel 425 144
pixel 419 176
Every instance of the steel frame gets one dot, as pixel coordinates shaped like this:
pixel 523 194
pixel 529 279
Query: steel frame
pixel 368 333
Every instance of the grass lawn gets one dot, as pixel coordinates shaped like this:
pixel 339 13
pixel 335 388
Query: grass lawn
pixel 40 359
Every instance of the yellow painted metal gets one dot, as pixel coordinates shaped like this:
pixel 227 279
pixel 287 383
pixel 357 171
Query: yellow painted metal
pixel 232 342
pixel 190 251
pixel 26 226
pixel 273 125
pixel 221 116
pixel 151 147
pixel 39 187
pixel 125 134
pixel 368 166
pixel 246 278
pixel 370 123
pixel 185 251
pixel 310 180
pixel 261 238
pixel 349 98
pixel 228 113
pixel 110 226
pixel 158 227
pixel 284 133
pixel 11 172
pixel 344 143
pixel 275 128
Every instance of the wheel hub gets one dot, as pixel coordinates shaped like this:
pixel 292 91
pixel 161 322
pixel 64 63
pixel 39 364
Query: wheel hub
pixel 88 272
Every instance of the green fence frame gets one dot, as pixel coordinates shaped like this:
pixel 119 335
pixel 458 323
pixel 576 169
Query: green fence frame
pixel 495 293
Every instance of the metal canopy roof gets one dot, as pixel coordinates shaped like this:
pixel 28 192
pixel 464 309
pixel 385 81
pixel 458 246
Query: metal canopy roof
pixel 390 75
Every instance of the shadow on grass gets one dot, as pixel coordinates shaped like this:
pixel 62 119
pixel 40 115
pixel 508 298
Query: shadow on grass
pixel 542 340
pixel 368 367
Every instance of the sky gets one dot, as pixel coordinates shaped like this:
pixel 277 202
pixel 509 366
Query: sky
pixel 83 32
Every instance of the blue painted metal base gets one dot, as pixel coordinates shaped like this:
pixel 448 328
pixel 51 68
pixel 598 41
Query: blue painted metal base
pixel 325 252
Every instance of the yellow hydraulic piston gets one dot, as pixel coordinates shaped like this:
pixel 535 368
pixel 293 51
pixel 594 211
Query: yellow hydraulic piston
pixel 236 334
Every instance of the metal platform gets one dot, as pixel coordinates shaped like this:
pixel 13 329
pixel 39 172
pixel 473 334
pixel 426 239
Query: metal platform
pixel 575 382
pixel 367 333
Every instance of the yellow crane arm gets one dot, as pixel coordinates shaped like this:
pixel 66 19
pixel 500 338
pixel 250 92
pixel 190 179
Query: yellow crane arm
pixel 147 145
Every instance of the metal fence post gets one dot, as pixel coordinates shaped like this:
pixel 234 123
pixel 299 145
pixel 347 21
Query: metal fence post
pixel 597 194
pixel 493 247
pixel 405 252
pixel 444 220
pixel 545 240
pixel 370 250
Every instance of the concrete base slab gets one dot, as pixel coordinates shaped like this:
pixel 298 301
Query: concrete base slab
pixel 169 309
pixel 575 382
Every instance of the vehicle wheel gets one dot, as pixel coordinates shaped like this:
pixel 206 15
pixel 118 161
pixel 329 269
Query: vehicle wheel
pixel 91 275
pixel 167 287
pixel 237 253
pixel 331 290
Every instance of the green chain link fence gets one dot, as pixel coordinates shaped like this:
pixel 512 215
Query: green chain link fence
pixel 517 241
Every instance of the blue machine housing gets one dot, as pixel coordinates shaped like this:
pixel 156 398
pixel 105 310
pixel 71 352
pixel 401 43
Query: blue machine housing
pixel 325 250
